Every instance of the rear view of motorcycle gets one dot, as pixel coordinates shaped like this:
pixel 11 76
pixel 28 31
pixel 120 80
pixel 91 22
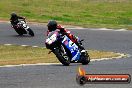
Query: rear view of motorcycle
pixel 22 28
pixel 65 50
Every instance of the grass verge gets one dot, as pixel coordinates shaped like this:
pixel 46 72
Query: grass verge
pixel 14 55
pixel 86 13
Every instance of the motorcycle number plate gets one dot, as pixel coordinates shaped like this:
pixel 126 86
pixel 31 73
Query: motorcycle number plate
pixel 51 39
pixel 71 44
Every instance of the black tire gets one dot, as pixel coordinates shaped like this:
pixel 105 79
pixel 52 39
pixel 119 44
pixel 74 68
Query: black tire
pixel 58 54
pixel 19 32
pixel 31 32
pixel 85 58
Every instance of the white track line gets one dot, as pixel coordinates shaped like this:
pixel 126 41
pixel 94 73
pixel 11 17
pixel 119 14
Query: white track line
pixel 37 64
pixel 21 45
pixel 98 29
pixel 24 45
pixel 121 30
pixel 7 44
pixel 121 56
pixel 35 46
pixel 44 64
pixel 103 29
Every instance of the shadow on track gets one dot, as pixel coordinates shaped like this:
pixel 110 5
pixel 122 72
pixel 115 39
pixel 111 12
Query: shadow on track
pixel 22 36
pixel 72 64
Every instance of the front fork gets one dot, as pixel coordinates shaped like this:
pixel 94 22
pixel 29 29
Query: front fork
pixel 26 27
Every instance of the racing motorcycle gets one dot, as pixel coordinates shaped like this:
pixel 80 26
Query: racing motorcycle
pixel 65 50
pixel 22 28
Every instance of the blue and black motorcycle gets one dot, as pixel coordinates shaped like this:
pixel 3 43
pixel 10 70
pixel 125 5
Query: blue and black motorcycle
pixel 65 50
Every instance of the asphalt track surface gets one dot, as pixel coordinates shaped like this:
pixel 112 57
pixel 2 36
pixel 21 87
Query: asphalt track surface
pixel 58 76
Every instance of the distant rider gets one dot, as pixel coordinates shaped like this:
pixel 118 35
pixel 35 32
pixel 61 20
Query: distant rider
pixel 15 19
pixel 52 26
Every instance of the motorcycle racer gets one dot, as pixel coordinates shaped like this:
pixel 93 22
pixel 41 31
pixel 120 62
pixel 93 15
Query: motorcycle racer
pixel 53 25
pixel 15 19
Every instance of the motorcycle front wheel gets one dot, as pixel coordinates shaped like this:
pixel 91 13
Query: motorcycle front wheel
pixel 31 32
pixel 62 57
pixel 85 58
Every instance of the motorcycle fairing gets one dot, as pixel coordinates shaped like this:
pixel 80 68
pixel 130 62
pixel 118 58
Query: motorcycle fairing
pixel 72 47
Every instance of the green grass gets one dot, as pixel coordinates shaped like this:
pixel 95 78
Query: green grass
pixel 14 55
pixel 86 13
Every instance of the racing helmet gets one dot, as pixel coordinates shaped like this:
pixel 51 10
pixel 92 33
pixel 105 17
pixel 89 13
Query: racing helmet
pixel 52 25
pixel 13 14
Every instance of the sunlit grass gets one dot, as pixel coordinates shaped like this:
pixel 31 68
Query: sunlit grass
pixel 13 55
pixel 87 13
